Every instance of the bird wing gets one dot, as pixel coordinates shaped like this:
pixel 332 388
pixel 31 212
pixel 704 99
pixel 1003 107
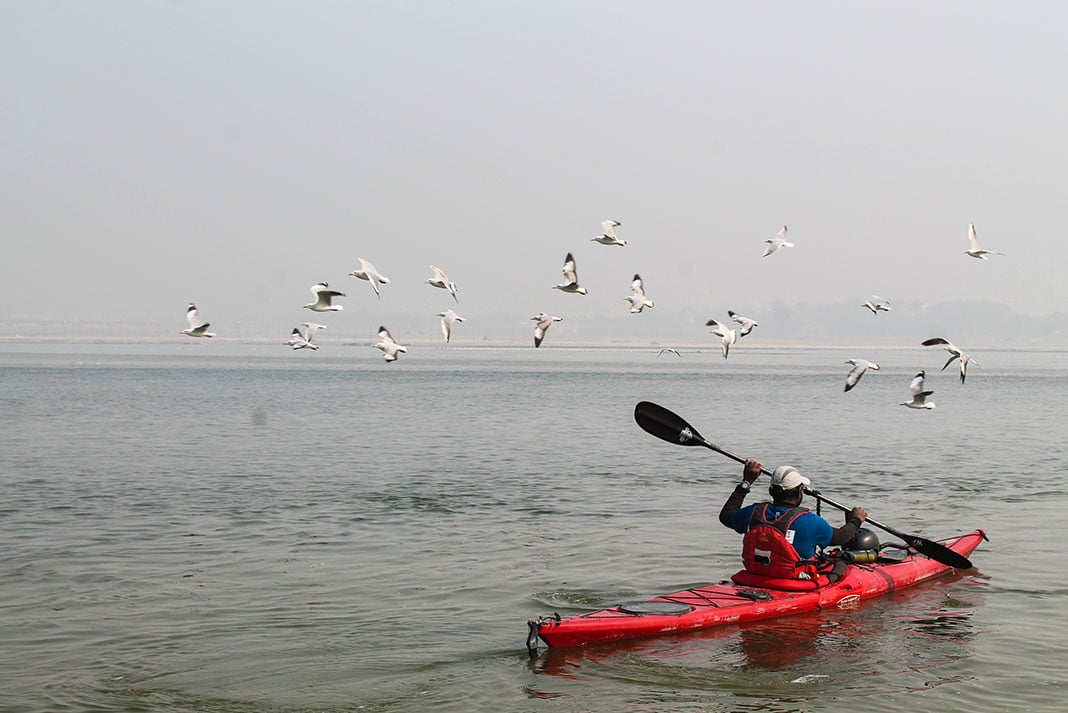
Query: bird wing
pixel 368 272
pixel 972 237
pixel 194 318
pixel 936 341
pixel 296 339
pixel 917 384
pixel 439 274
pixel 569 270
pixel 855 373
pixel 718 329
pixel 324 294
pixel 540 328
pixel 747 324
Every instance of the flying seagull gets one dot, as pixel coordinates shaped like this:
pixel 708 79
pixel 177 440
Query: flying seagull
pixel 388 346
pixel 975 250
pixel 779 241
pixel 919 396
pixel 447 318
pixel 197 326
pixel 324 298
pixel 544 321
pixel 440 279
pixel 877 304
pixel 368 272
pixel 303 340
pixel 859 367
pixel 669 350
pixel 608 237
pixel 570 283
pixel 729 336
pixel 637 299
pixel 954 353
pixel 747 324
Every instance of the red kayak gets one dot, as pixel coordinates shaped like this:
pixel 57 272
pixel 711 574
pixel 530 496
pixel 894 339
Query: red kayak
pixel 740 600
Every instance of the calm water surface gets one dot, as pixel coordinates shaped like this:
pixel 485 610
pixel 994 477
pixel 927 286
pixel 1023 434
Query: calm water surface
pixel 214 527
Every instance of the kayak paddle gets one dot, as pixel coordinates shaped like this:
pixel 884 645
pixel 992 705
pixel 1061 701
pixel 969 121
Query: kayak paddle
pixel 669 426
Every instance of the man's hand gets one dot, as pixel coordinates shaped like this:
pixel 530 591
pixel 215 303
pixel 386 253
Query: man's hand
pixel 858 513
pixel 751 471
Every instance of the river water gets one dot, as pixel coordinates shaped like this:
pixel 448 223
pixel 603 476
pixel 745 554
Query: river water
pixel 225 527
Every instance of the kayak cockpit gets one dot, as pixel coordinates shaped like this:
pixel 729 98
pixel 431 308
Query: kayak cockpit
pixel 748 579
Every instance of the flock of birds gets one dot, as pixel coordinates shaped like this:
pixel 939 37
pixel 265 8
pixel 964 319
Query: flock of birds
pixel 917 386
pixel 303 337
pixel 875 304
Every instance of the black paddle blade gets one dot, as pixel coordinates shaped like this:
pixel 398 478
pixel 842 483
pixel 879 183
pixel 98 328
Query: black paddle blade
pixel 666 425
pixel 938 552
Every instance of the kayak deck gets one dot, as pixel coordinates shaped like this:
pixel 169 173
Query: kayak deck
pixel 730 603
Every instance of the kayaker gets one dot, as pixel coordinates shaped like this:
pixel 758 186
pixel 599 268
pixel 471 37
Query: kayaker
pixel 806 532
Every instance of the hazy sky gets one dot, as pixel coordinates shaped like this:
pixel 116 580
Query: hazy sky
pixel 235 153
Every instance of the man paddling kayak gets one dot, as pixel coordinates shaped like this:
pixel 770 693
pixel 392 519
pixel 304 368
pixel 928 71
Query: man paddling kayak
pixel 781 537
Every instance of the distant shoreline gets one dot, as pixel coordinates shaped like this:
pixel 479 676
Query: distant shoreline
pixel 694 347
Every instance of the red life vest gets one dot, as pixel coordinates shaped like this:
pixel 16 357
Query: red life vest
pixel 767 552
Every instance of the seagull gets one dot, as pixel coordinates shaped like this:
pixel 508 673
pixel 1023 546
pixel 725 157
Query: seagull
pixel 544 321
pixel 877 304
pixel 779 241
pixel 368 272
pixel 670 351
pixel 303 340
pixel 919 396
pixel 197 326
pixel 975 251
pixel 387 345
pixel 440 279
pixel 954 353
pixel 637 299
pixel 323 297
pixel 859 367
pixel 728 336
pixel 571 277
pixel 747 324
pixel 609 235
pixel 447 318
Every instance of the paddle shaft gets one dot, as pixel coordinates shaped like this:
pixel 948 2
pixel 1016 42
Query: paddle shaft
pixel 814 493
pixel 819 496
pixel 668 426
